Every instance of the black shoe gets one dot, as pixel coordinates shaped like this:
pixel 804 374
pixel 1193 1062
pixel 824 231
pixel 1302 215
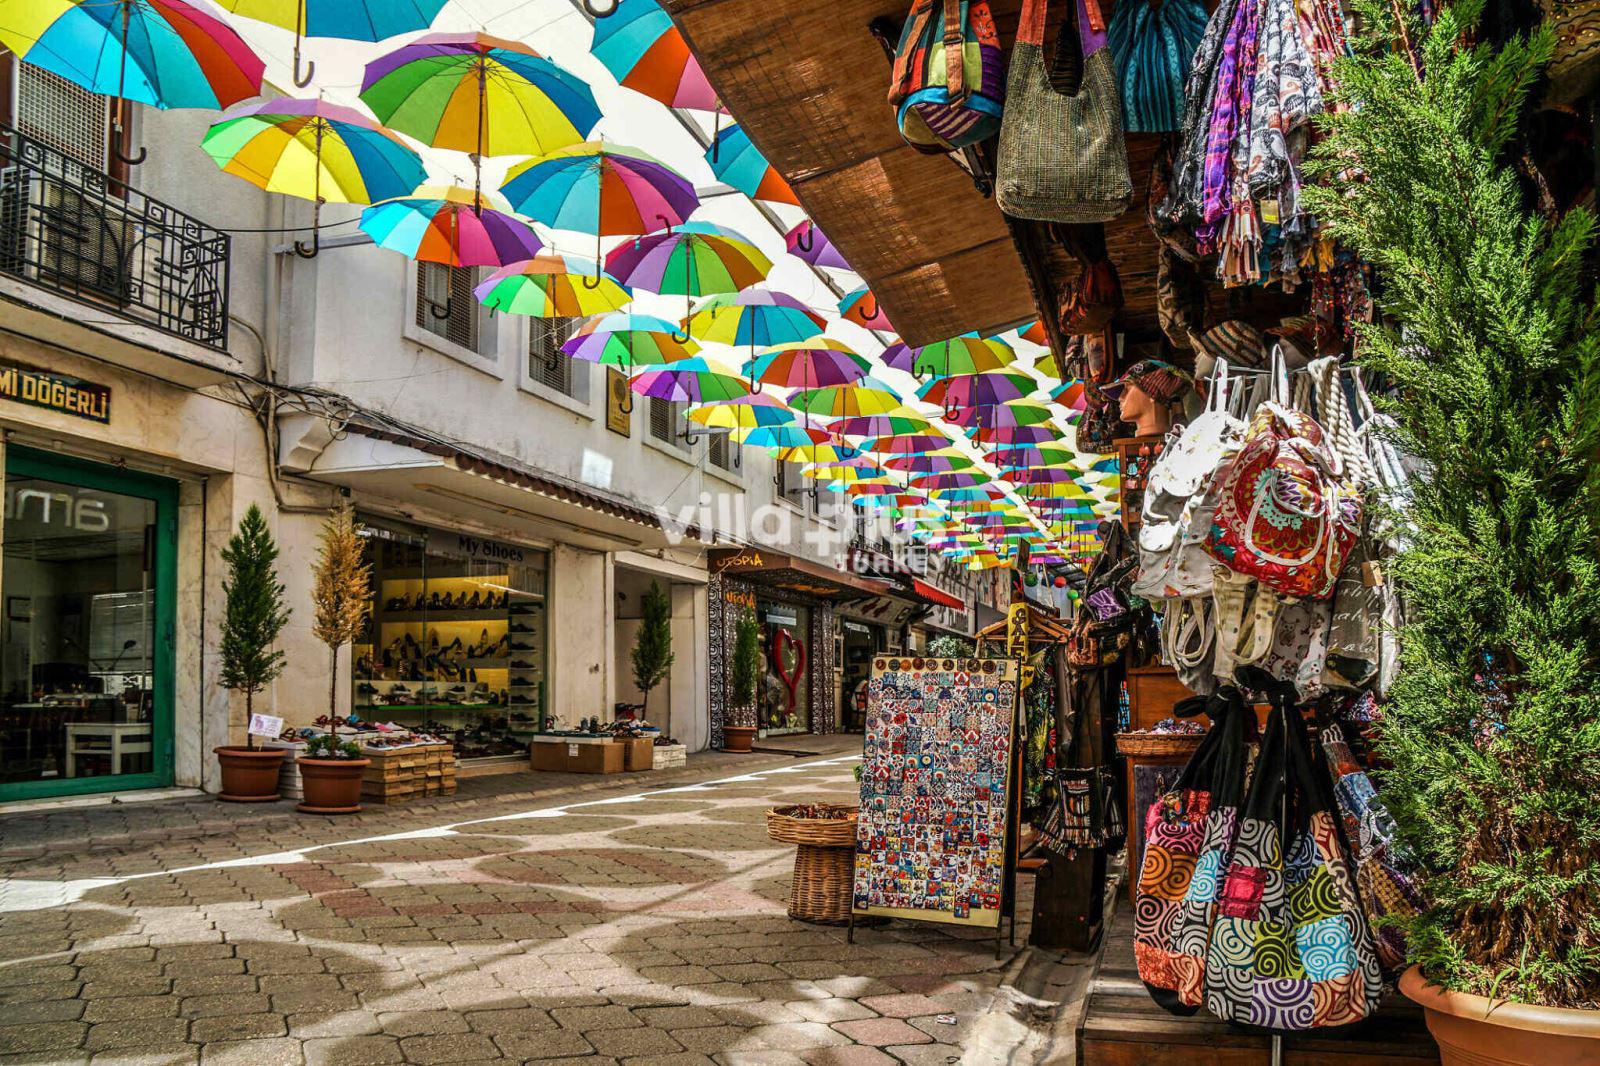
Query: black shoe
pixel 523 647
pixel 364 689
pixel 521 664
pixel 518 627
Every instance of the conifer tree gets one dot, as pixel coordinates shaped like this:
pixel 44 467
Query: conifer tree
pixel 254 615
pixel 746 672
pixel 652 647
pixel 340 593
pixel 1493 726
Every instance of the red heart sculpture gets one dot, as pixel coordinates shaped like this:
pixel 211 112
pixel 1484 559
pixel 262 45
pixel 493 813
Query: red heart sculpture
pixel 790 681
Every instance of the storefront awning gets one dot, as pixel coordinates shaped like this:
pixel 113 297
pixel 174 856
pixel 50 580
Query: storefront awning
pixel 936 596
pixel 790 573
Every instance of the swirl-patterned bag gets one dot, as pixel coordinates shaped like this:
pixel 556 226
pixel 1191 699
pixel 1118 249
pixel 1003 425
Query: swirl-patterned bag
pixel 1184 834
pixel 1290 948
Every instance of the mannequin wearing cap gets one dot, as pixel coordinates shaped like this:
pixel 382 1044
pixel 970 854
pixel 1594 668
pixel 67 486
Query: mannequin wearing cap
pixel 1150 417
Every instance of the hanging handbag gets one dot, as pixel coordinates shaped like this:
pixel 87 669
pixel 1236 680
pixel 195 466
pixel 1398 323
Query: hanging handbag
pixel 1385 873
pixel 1062 155
pixel 1290 948
pixel 1152 44
pixel 948 87
pixel 1186 832
pixel 1285 513
pixel 1093 300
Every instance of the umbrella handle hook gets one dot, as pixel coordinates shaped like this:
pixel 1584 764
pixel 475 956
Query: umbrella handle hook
pixel 867 301
pixel 592 283
pixel 756 384
pixel 599 13
pixel 807 240
pixel 309 251
pixel 681 334
pixel 690 437
pixel 626 407
pixel 738 456
pixel 303 80
pixel 122 156
pixel 449 308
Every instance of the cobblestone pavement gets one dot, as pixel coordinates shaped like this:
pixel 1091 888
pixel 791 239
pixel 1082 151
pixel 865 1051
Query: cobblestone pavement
pixel 646 927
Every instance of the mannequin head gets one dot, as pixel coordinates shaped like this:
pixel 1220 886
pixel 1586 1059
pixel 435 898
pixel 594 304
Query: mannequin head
pixel 1150 417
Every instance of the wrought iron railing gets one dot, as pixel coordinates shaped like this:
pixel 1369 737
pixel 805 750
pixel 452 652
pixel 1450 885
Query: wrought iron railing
pixel 75 230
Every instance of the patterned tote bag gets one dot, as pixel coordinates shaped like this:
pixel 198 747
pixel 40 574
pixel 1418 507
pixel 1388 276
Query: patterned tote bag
pixel 1290 948
pixel 1176 827
pixel 949 82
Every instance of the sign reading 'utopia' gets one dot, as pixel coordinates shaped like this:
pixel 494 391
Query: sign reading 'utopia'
pixel 55 392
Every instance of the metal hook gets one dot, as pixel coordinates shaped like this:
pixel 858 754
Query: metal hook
pixel 868 316
pixel 681 334
pixel 594 12
pixel 305 251
pixel 738 454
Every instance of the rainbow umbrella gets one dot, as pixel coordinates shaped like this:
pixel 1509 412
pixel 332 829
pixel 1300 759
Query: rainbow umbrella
pixel 844 472
pixel 693 380
pixel 807 364
pixel 792 435
pixel 901 420
pixel 1039 475
pixel 1012 455
pixel 1039 433
pixel 471 92
pixel 1070 394
pixel 961 355
pixel 696 259
pixel 164 53
pixel 898 355
pixel 742 412
pixel 1058 490
pixel 906 443
pixel 958 479
pixel 628 341
pixel 754 318
pixel 809 244
pixel 867 396
pixel 940 462
pixel 861 307
pixel 315 150
pixel 644 51
pixel 1034 332
pixel 347 20
pixel 815 453
pixel 600 188
pixel 552 286
pixel 1000 415
pixel 976 390
pixel 736 161
pixel 451 225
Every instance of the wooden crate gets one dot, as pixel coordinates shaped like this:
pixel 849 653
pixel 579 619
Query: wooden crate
pixel 1122 1026
pixel 576 756
pixel 638 754
pixel 400 774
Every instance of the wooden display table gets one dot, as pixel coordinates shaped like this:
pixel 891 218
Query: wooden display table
pixel 1122 1026
pixel 576 755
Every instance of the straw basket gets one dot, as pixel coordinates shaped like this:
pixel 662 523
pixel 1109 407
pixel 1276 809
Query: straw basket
pixel 824 863
pixel 1152 745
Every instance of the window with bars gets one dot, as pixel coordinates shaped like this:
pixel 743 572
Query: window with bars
pixel 445 304
pixel 720 450
pixel 549 365
pixel 70 119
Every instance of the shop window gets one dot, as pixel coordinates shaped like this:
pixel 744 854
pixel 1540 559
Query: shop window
pixel 53 110
pixel 446 306
pixel 456 644
pixel 664 417
pixel 783 697
pixel 86 659
pixel 720 450
pixel 793 486
pixel 549 365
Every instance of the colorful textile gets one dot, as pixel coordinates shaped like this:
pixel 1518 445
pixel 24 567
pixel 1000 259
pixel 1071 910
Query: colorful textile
pixel 949 81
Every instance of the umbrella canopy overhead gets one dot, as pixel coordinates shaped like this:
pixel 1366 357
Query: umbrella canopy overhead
pixel 347 20
pixel 867 396
pixel 170 53
pixel 809 244
pixel 940 462
pixel 961 355
pixel 902 420
pixel 644 51
pixel 861 307
pixel 808 364
pixel 743 412
pixel 898 355
pixel 1040 475
pixel 1000 415
pixel 754 318
pixel 314 150
pixel 692 380
pixel 600 188
pixel 977 390
pixel 696 259
pixel 628 341
pixel 450 225
pixel 906 443
pixel 472 92
pixel 962 479
pixel 1011 455
pixel 736 161
pixel 552 286
pixel 1040 433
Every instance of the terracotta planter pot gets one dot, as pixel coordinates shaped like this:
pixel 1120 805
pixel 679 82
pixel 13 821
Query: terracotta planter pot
pixel 1478 1031
pixel 332 786
pixel 738 737
pixel 249 776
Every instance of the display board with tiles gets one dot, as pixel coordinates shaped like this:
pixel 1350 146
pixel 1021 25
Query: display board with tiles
pixel 935 790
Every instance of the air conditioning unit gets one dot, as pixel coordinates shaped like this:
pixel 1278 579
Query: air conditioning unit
pixel 64 238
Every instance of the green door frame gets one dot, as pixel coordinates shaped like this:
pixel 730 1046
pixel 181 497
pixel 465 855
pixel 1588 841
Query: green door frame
pixel 27 462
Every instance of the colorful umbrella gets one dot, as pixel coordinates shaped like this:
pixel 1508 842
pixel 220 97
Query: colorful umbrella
pixel 1000 415
pixel 164 53
pixel 844 470
pixel 600 188
pixel 755 318
pixel 736 161
pixel 898 355
pixel 792 435
pixel 347 20
pixel 1040 433
pixel 976 390
pixel 1034 332
pixel 644 51
pixel 1032 455
pixel 902 420
pixel 628 341
pixel 815 453
pixel 742 412
pixel 450 225
pixel 1071 394
pixel 475 93
pixel 807 364
pixel 809 244
pixel 906 443
pixel 696 259
pixel 552 286
pixel 1039 475
pixel 961 355
pixel 315 150
pixel 960 479
pixel 692 380
pixel 868 396
pixel 940 462
pixel 861 307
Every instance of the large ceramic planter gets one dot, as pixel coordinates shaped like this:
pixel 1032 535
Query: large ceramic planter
pixel 331 786
pixel 1478 1031
pixel 738 737
pixel 249 775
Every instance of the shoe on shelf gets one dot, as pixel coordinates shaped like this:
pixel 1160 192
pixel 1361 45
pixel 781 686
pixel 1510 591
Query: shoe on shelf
pixel 521 664
pixel 523 647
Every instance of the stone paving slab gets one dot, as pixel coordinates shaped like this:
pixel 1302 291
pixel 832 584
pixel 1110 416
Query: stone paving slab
pixel 619 926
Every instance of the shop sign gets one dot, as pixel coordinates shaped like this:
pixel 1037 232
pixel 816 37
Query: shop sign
pixel 55 392
pixel 266 725
pixel 856 627
pixel 740 598
pixel 474 547
pixel 749 559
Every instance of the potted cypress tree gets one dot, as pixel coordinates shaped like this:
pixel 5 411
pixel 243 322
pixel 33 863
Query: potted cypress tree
pixel 331 769
pixel 740 731
pixel 1492 730
pixel 252 620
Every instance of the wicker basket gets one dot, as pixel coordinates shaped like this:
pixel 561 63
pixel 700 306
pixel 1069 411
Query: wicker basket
pixel 824 863
pixel 1156 744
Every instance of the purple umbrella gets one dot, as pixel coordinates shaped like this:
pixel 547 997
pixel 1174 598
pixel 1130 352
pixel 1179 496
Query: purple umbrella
pixel 1040 475
pixel 977 390
pixel 808 243
pixel 899 356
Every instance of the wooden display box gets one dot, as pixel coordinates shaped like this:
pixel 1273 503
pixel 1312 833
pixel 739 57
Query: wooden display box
pixel 638 754
pixel 399 774
pixel 578 756
pixel 1152 693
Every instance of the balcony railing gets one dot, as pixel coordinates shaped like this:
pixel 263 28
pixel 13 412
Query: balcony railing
pixel 77 231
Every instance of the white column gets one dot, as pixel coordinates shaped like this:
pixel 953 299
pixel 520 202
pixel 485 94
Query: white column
pixel 580 613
